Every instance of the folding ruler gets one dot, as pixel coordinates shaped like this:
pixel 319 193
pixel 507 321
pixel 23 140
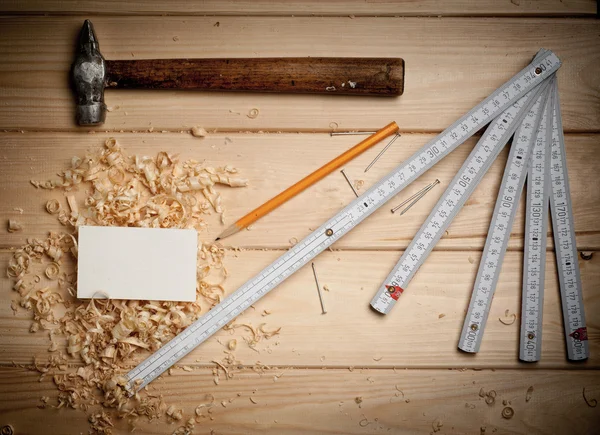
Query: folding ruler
pixel 536 123
pixel 515 97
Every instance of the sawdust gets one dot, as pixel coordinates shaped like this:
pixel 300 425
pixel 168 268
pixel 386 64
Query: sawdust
pixel 108 187
pixel 489 397
pixel 253 113
pixel 592 403
pixel 508 319
pixel 436 425
pixel 529 394
pixel 199 132
pixel 14 226
pixel 508 413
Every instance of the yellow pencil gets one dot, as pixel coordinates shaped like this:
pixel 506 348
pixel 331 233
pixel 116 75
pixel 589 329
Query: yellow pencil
pixel 309 180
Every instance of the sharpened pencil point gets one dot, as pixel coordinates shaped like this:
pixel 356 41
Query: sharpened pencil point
pixel 228 232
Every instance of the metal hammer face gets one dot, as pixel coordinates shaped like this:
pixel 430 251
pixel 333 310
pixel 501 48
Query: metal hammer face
pixel 89 75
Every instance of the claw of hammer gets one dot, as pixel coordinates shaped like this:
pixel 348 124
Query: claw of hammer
pixel 89 73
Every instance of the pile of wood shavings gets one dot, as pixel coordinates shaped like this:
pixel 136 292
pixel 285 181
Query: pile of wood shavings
pixel 107 335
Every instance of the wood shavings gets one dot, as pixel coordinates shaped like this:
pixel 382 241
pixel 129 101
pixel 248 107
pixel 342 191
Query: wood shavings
pixel 253 400
pixel 508 413
pixel 199 132
pixel 358 184
pixel 592 403
pixel 293 241
pixel 232 344
pixel 330 88
pixel 325 287
pixel 265 313
pixel 253 113
pixel 18 209
pixel 377 358
pixel 508 319
pixel 187 369
pixel 529 394
pixel 44 401
pixel 436 425
pixel 222 367
pixel 14 226
pixel 490 397
pixel 105 336
pixel 101 423
pixel 175 414
pixel 364 422
pixel 52 271
pixel 441 315
pixel 52 206
pixel 209 402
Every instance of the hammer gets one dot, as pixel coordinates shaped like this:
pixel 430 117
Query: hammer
pixel 91 74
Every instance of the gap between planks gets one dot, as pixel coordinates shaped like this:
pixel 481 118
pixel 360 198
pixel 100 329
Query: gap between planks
pixel 349 368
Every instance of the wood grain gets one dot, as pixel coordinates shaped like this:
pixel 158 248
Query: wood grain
pixel 413 335
pixel 329 397
pixel 307 7
pixel 456 53
pixel 316 75
pixel 272 163
pixel 451 65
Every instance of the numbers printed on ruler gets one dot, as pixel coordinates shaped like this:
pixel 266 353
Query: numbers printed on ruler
pixel 536 73
pixel 536 229
pixel 464 183
pixel 500 226
pixel 564 244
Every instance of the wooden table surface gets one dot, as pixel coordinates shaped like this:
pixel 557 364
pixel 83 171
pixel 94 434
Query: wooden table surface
pixel 456 53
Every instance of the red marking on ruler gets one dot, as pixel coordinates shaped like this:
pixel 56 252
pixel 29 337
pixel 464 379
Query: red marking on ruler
pixel 579 334
pixel 394 291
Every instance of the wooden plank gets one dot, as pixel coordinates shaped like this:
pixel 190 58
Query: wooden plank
pixel 329 398
pixel 413 335
pixel 273 162
pixel 451 65
pixel 307 7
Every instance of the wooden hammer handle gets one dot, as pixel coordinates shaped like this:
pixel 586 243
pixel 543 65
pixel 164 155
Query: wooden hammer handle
pixel 321 75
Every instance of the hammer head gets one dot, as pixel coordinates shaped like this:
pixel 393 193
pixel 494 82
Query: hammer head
pixel 89 75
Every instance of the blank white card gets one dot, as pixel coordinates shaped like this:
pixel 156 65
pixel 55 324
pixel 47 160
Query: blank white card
pixel 137 263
